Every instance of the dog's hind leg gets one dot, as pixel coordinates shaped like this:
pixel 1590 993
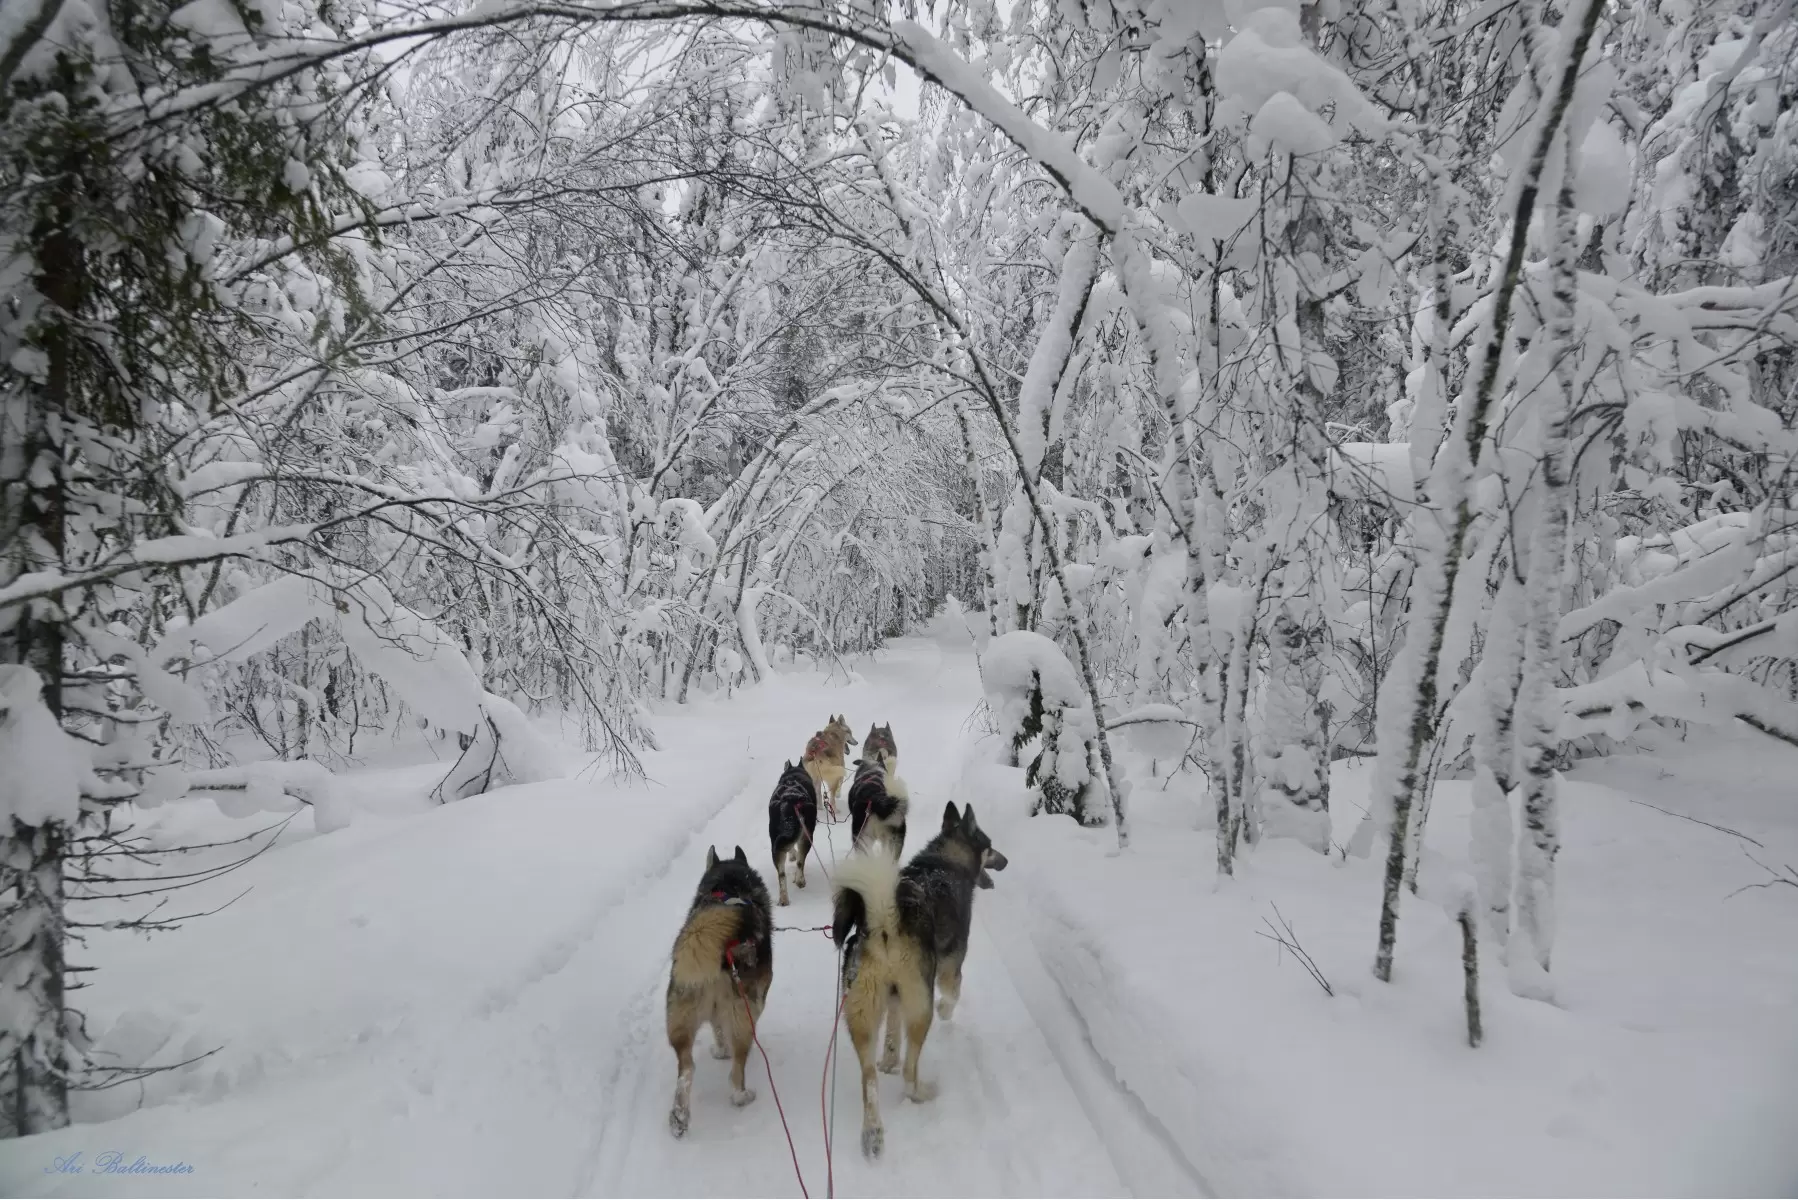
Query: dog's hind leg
pixel 804 849
pixel 862 1012
pixel 780 869
pixel 889 1055
pixel 915 1002
pixel 681 1028
pixel 720 1039
pixel 948 983
pixel 742 1037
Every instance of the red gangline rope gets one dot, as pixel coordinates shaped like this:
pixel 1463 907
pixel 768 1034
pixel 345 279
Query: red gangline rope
pixel 768 1066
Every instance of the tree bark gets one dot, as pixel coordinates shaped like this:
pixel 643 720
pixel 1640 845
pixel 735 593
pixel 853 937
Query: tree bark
pixel 34 421
pixel 1540 838
pixel 1413 706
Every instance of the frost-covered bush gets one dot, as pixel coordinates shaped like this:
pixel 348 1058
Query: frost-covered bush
pixel 1036 695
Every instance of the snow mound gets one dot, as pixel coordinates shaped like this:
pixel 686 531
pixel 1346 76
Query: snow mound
pixel 44 767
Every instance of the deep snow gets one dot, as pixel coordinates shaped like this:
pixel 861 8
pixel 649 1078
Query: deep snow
pixel 466 999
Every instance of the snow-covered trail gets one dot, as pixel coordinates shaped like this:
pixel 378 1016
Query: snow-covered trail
pixel 469 1000
pixel 1009 1118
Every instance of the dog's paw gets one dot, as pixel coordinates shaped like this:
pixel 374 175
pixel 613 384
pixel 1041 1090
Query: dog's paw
pixel 920 1092
pixel 783 898
pixel 746 1096
pixel 800 881
pixel 889 1063
pixel 945 1009
pixel 873 1142
pixel 677 1122
pixel 720 1050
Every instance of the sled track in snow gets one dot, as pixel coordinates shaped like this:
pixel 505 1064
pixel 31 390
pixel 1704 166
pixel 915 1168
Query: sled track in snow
pixel 1147 1155
pixel 1144 1154
pixel 1001 1123
pixel 584 928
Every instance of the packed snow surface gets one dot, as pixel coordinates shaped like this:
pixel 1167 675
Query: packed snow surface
pixel 466 999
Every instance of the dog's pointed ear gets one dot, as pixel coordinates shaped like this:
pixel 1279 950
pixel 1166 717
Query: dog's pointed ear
pixel 742 857
pixel 711 857
pixel 967 818
pixel 951 818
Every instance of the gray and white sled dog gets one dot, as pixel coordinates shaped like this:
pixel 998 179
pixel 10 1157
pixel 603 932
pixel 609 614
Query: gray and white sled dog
pixel 878 804
pixel 727 925
pixel 904 936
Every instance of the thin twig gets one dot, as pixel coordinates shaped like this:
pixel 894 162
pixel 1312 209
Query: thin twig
pixel 1283 936
pixel 1786 875
pixel 1695 820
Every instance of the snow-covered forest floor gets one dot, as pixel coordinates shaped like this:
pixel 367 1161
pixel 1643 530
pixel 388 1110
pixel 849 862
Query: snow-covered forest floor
pixel 467 999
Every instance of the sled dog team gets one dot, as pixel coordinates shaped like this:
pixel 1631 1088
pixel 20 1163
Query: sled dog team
pixel 903 931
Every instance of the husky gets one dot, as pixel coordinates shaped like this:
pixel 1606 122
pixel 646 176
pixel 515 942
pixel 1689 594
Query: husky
pixel 904 935
pixel 880 738
pixel 823 760
pixel 878 802
pixel 723 967
pixel 792 822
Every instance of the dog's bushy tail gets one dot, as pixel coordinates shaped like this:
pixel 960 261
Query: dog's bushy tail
pixel 699 950
pixel 865 895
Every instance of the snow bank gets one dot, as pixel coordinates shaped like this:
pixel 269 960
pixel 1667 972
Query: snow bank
pixel 1666 1069
pixel 274 786
pixel 507 749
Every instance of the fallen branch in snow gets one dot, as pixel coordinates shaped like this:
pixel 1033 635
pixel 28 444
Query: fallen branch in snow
pixel 268 786
pixel 1283 936
pixel 1786 875
pixel 122 1075
pixel 1694 820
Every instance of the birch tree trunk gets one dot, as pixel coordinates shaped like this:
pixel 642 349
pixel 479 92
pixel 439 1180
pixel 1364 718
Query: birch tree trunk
pixel 1409 715
pixel 1540 838
pixel 1495 756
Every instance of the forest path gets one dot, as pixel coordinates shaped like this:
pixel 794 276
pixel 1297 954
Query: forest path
pixel 1022 1108
pixel 467 999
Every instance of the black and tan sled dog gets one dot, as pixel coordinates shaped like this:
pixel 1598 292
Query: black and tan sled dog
pixel 878 805
pixel 904 934
pixel 728 923
pixel 792 822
